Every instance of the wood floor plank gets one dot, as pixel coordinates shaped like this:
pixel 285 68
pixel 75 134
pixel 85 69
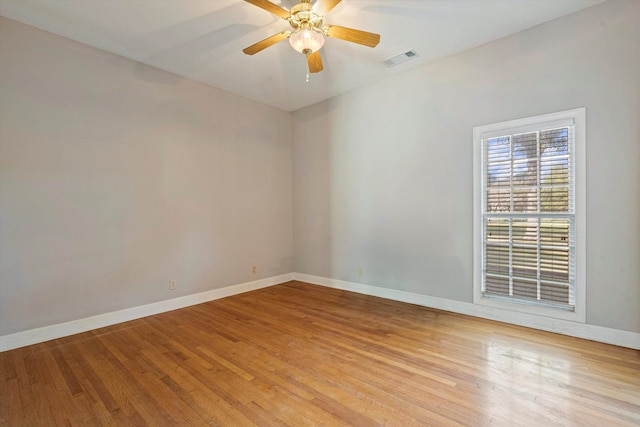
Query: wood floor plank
pixel 298 354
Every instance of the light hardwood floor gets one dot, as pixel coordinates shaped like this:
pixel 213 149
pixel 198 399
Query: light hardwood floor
pixel 298 354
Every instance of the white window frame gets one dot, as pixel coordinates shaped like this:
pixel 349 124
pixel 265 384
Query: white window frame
pixel 578 314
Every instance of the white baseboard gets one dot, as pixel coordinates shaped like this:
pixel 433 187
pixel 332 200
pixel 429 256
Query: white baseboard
pixel 46 333
pixel 565 327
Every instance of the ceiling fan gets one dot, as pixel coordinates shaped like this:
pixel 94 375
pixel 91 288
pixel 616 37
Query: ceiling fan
pixel 308 32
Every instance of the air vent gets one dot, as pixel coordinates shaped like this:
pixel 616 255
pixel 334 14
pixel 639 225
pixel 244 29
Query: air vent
pixel 400 59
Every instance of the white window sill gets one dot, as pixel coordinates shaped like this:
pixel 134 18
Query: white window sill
pixel 576 315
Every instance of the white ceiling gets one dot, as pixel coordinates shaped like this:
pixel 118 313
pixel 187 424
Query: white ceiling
pixel 203 39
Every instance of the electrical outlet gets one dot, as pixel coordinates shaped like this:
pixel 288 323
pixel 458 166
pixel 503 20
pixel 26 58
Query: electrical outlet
pixel 360 271
pixel 172 285
pixel 254 269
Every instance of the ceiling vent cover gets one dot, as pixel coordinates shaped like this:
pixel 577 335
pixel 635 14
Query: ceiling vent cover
pixel 400 59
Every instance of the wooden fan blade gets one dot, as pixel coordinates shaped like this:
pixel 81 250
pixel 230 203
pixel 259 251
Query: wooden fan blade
pixel 270 7
pixel 314 61
pixel 353 36
pixel 263 44
pixel 322 7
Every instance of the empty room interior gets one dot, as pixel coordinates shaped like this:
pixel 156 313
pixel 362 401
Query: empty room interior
pixel 356 212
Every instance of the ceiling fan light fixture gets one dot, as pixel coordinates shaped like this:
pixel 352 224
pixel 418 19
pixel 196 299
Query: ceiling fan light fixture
pixel 306 40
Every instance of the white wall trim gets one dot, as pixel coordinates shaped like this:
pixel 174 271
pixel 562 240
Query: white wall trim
pixel 565 327
pixel 46 333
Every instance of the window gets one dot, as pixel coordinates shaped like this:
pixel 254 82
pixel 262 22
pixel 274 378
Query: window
pixel 529 215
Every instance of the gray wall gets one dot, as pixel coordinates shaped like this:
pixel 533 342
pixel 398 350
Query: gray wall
pixel 383 175
pixel 116 177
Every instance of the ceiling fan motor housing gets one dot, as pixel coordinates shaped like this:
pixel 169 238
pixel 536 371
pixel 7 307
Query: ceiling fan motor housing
pixel 303 16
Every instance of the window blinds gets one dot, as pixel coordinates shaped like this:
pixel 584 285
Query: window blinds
pixel 529 214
